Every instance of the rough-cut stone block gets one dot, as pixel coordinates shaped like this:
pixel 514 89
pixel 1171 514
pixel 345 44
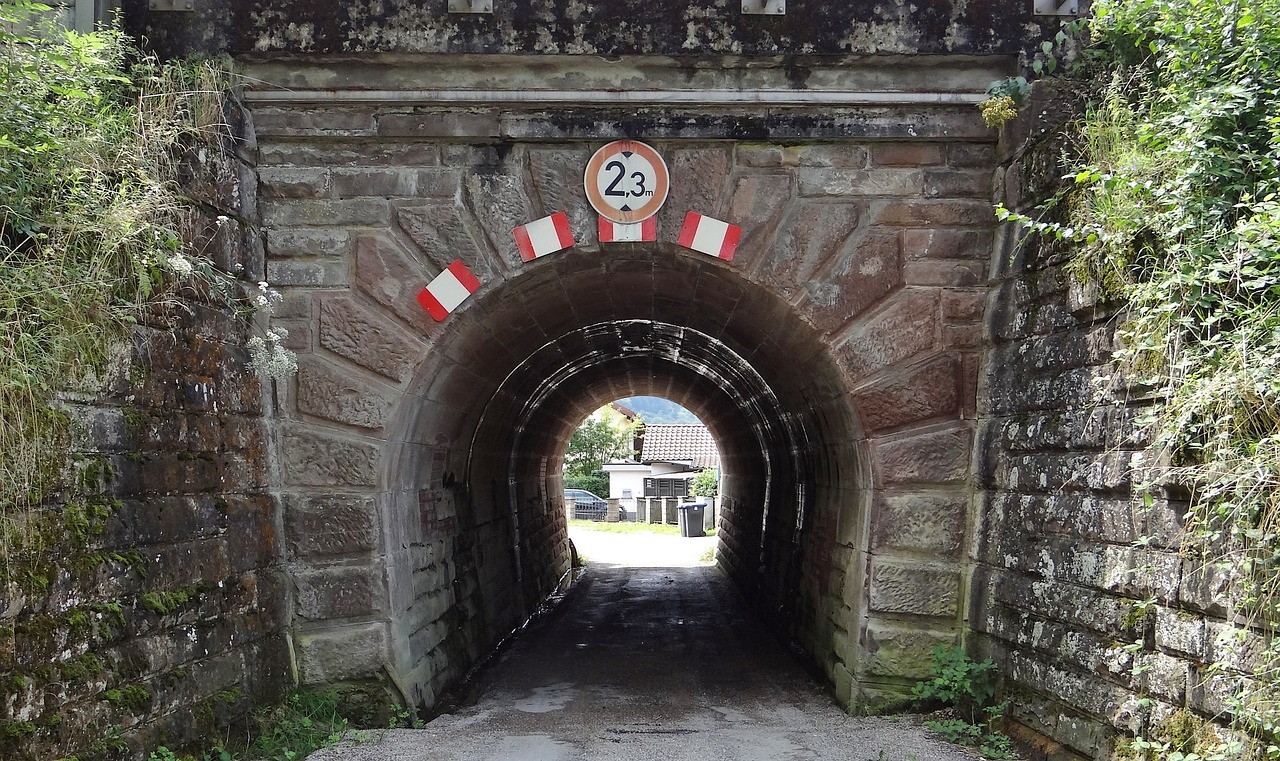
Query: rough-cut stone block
pixel 852 183
pixel 935 457
pixel 322 121
pixel 980 155
pixel 866 272
pixel 815 233
pixel 383 182
pixel 392 277
pixel 906 154
pixel 764 156
pixel 829 154
pixel 962 336
pixel 308 242
pixel 449 124
pixel 905 327
pixel 251 534
pixel 947 243
pixel 348 397
pixel 313 457
pixel 369 339
pixel 338 592
pixel 945 273
pixel 342 653
pixel 945 213
pixel 1181 632
pixel 161 520
pixel 1165 677
pixel 892 651
pixel 899 587
pixel 438 183
pixel 362 153
pixel 949 183
pixel 929 390
pixel 698 179
pixel 498 199
pixel 360 212
pixel 963 305
pixel 925 522
pixel 557 184
pixel 440 228
pixel 758 204
pixel 293 182
pixel 329 525
pixel 288 272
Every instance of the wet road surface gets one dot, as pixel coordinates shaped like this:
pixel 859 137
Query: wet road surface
pixel 648 661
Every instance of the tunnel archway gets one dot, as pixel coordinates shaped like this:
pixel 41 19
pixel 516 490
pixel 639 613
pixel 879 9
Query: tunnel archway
pixel 482 430
pixel 836 355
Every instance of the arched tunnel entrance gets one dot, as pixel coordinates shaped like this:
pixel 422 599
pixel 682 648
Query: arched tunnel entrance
pixel 835 357
pixel 484 427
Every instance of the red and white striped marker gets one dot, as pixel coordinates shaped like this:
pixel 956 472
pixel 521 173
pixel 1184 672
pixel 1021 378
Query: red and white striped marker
pixel 543 236
pixel 449 289
pixel 614 232
pixel 710 236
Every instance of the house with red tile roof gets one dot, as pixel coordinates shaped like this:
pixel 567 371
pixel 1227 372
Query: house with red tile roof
pixel 669 456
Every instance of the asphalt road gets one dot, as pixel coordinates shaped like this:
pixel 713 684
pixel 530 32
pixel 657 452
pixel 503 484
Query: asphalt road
pixel 651 656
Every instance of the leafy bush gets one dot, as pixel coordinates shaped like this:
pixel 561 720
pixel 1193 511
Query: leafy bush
pixel 597 483
pixel 705 484
pixel 956 680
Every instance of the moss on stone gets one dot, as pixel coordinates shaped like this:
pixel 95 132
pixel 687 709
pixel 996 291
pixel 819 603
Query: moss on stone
pixel 132 696
pixel 163 603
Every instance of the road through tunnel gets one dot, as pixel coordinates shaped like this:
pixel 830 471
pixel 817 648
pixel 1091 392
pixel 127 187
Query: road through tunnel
pixel 486 424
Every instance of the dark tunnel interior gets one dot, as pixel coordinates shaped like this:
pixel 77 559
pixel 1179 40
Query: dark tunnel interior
pixel 483 433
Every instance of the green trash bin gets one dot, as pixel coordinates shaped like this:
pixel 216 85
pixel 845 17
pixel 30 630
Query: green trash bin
pixel 692 515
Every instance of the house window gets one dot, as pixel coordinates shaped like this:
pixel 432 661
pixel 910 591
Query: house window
pixel 626 494
pixel 665 487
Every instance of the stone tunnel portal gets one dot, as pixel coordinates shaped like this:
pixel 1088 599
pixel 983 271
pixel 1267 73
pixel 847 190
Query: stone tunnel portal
pixel 834 357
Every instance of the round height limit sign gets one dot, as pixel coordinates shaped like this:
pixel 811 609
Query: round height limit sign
pixel 626 182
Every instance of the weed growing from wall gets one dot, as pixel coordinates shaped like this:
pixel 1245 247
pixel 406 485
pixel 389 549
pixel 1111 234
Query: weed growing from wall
pixel 965 685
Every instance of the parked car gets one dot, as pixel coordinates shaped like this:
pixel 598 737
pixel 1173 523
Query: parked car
pixel 587 506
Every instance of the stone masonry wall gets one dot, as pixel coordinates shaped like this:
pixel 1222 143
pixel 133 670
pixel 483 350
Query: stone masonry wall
pixel 1054 593
pixel 149 606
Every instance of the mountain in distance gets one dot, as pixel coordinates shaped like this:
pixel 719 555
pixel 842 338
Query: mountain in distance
pixel 659 411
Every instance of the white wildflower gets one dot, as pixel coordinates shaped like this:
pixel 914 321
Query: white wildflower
pixel 181 266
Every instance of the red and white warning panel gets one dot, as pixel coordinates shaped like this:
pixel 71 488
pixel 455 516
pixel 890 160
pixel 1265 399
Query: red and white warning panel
pixel 543 236
pixel 710 236
pixel 612 232
pixel 449 289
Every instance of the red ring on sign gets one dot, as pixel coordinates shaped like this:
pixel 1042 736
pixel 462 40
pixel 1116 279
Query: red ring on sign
pixel 662 182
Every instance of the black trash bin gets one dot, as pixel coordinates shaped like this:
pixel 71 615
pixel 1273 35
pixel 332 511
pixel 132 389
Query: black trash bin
pixel 692 514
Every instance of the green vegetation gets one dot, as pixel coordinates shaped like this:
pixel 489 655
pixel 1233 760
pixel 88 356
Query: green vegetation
pixel 90 218
pixel 304 722
pixel 307 721
pixel 163 603
pixel 1181 737
pixel 1173 209
pixel 602 437
pixel 626 528
pixel 706 483
pixel 956 680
